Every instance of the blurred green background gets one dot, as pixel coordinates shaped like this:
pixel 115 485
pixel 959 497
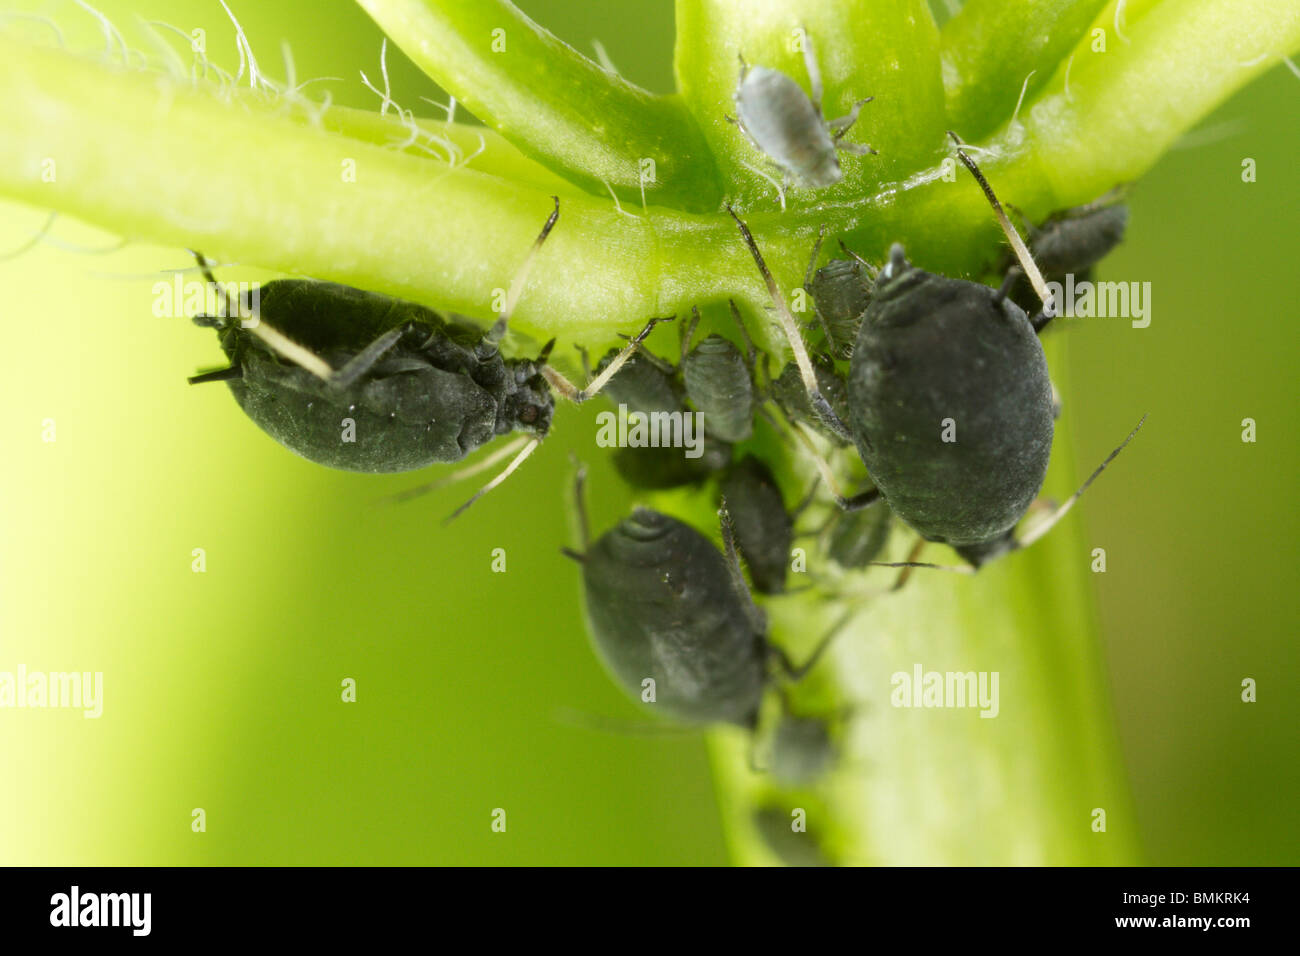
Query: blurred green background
pixel 222 689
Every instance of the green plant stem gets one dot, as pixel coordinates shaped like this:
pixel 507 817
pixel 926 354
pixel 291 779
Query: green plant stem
pixel 991 47
pixel 551 101
pixel 146 156
pixel 1128 105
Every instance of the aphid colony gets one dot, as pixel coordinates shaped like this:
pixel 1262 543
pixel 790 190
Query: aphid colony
pixel 945 399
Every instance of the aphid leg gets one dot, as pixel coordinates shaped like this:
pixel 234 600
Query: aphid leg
pixel 791 328
pixel 498 331
pixel 276 340
pixel 578 396
pixel 857 149
pixel 909 564
pixel 756 618
pixel 365 360
pixel 1017 244
pixel 954 568
pixel 580 508
pixel 505 473
pixel 217 375
pixel 794 673
pixel 856 502
pixel 843 124
pixel 662 365
pixel 1008 283
pixel 1061 512
pixel 807 500
pixel 288 348
pixel 486 462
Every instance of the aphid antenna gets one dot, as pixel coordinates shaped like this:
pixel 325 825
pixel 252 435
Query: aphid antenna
pixel 577 395
pixel 688 333
pixel 791 328
pixel 276 340
pixel 845 502
pixel 32 241
pixel 814 70
pixel 498 331
pixel 580 509
pixel 795 674
pixel 1047 525
pixel 872 271
pixel 816 252
pixel 1017 244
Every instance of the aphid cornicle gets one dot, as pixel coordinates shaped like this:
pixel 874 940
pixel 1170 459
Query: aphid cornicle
pixel 950 404
pixel 665 605
pixel 389 385
pixel 787 126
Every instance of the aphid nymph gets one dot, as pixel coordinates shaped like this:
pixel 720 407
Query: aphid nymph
pixel 788 127
pixel 720 381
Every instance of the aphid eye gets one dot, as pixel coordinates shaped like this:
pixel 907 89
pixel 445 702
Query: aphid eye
pixel 528 415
